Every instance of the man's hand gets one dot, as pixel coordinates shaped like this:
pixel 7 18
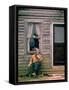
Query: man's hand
pixel 28 65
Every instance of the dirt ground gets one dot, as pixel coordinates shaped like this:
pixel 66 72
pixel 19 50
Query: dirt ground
pixel 39 78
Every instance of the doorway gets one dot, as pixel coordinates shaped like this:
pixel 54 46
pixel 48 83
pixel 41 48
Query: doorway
pixel 58 44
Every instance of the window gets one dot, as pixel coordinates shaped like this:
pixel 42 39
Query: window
pixel 58 44
pixel 33 34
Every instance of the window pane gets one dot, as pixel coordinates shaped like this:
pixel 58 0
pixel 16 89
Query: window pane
pixel 34 29
pixel 34 42
pixel 59 34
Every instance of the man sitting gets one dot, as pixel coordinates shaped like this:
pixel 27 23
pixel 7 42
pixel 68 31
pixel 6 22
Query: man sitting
pixel 34 64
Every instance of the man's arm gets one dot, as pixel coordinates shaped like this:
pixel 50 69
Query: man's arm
pixel 30 62
pixel 40 58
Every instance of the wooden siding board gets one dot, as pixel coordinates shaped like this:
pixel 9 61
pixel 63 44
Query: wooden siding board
pixel 41 12
pixel 47 18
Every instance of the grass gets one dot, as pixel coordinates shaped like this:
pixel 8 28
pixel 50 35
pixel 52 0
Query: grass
pixel 41 77
pixel 33 78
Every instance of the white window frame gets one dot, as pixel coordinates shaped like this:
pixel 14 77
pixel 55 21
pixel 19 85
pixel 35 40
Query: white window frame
pixel 26 21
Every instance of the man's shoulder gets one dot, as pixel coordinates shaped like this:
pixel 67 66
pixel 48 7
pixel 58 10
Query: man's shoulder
pixel 33 55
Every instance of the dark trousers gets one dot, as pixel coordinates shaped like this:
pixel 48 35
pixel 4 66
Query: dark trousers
pixel 35 67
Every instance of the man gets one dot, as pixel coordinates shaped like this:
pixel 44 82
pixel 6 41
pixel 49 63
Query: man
pixel 34 63
pixel 34 42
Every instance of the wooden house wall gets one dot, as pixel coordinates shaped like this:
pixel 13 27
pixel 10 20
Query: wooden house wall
pixel 47 17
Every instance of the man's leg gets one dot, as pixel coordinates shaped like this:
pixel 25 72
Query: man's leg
pixel 29 71
pixel 37 68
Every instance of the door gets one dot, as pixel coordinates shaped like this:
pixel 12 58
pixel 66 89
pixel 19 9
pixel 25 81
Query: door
pixel 58 41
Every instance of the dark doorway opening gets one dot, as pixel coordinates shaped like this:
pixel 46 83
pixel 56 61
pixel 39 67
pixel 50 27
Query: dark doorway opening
pixel 59 43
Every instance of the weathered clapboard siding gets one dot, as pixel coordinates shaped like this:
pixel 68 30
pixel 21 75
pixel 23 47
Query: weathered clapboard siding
pixel 41 12
pixel 47 17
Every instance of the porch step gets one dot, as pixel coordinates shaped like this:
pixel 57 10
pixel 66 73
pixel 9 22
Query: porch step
pixel 58 70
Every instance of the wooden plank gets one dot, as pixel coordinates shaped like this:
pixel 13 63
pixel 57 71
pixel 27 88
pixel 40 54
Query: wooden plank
pixel 45 19
pixel 41 13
